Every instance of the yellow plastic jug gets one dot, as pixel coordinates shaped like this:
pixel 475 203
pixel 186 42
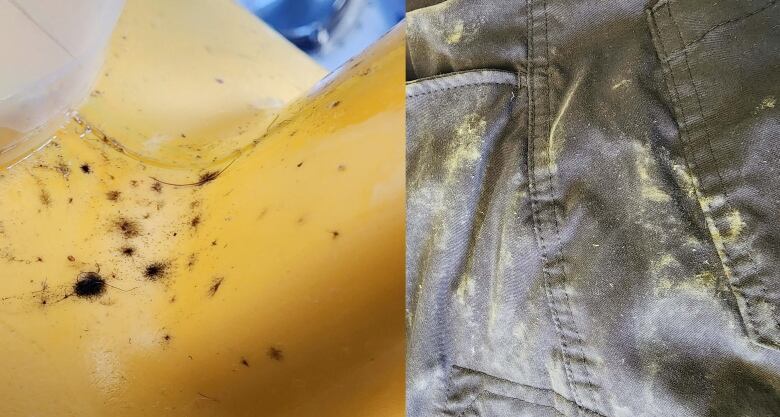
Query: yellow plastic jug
pixel 212 235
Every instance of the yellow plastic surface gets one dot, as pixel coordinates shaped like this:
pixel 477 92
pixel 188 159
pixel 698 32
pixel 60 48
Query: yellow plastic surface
pixel 274 288
pixel 187 82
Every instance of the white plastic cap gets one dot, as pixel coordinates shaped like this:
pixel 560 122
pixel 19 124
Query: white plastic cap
pixel 51 52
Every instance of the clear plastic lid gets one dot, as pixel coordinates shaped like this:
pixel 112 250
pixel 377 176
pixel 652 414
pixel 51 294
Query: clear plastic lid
pixel 51 52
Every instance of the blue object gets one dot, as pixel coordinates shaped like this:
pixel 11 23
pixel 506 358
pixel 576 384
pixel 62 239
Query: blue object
pixel 331 31
pixel 306 23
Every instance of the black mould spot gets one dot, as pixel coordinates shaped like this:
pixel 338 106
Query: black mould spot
pixel 89 285
pixel 128 251
pixel 300 164
pixel 335 104
pixel 63 169
pixel 45 198
pixel 167 337
pixel 195 222
pixel 335 234
pixel 133 183
pixel 113 195
pixel 155 271
pixel 275 353
pixel 245 362
pixel 214 242
pixel 215 286
pixel 85 168
pixel 71 258
pixel 208 177
pixel 39 259
pixel 128 228
pixel 157 187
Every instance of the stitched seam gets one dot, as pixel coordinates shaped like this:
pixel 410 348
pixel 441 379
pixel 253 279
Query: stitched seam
pixel 482 373
pixel 537 226
pixel 690 168
pixel 689 165
pixel 483 71
pixel 439 90
pixel 686 149
pixel 471 403
pixel 687 46
pixel 535 209
pixel 553 193
pixel 557 411
pixel 686 133
pixel 658 5
pixel 727 260
pixel 409 49
pixel 556 394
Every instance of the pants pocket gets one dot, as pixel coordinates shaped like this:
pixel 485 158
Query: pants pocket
pixel 464 166
pixel 721 67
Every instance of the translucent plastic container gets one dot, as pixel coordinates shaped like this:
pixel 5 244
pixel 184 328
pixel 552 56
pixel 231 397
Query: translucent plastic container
pixel 50 54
